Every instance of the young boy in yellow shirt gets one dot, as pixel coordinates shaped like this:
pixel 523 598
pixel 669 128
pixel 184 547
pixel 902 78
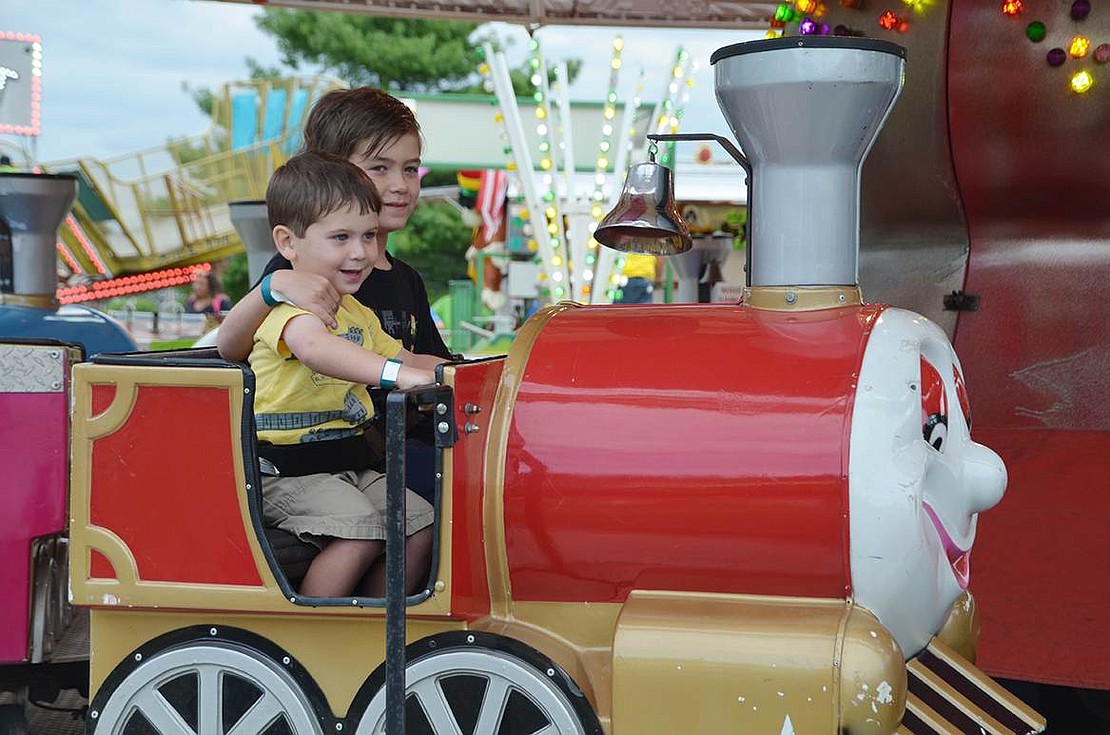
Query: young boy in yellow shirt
pixel 311 402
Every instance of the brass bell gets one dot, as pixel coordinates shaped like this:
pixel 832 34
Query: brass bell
pixel 645 219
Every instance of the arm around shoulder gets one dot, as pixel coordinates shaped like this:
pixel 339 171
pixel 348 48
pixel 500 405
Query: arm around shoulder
pixel 308 291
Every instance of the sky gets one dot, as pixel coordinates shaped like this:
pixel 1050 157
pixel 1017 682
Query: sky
pixel 113 70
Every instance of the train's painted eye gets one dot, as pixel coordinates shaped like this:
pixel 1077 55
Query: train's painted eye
pixel 936 431
pixel 934 406
pixel 961 395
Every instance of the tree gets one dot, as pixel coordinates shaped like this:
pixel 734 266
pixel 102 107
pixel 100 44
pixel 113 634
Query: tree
pixel 434 243
pixel 392 53
pixel 364 50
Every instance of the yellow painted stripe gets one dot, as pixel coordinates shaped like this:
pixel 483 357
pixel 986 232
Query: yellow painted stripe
pixel 929 716
pixel 931 679
pixel 988 685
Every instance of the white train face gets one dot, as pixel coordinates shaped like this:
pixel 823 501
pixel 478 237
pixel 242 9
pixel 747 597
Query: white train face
pixel 916 479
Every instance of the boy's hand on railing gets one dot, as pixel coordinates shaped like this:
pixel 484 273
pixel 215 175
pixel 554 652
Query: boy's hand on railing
pixel 410 377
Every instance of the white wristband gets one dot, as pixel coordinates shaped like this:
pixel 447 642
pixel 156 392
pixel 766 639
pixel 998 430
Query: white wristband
pixel 390 370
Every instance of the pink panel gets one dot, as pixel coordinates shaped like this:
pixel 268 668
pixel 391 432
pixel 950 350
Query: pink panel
pixel 33 433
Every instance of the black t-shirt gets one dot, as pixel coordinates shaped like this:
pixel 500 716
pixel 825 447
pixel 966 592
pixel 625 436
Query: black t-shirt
pixel 400 300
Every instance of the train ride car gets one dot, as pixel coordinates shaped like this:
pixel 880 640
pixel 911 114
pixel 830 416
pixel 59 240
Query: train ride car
pixel 754 517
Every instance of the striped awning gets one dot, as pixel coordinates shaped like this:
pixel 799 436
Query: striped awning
pixel 949 696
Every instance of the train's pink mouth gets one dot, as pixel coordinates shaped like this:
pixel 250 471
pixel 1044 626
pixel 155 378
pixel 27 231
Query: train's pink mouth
pixel 960 559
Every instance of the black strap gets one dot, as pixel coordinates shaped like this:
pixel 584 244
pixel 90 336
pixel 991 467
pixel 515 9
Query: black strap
pixel 295 460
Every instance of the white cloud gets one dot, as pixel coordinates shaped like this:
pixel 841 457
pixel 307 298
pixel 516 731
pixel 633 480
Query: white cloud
pixel 113 69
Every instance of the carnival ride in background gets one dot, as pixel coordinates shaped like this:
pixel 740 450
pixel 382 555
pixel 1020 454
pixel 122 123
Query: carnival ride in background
pixel 141 220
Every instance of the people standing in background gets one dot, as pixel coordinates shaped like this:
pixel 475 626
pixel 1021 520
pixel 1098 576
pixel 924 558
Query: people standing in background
pixel 206 298
pixel 641 273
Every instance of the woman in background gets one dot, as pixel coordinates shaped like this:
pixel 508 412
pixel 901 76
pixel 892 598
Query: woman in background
pixel 206 297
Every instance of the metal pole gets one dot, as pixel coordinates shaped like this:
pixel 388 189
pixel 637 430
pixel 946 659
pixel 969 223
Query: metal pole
pixel 395 408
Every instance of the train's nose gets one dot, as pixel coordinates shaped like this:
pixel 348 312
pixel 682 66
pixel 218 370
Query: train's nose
pixel 984 477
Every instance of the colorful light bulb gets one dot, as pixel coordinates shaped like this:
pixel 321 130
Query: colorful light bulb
pixel 1079 47
pixel 1013 8
pixel 1082 81
pixel 1036 31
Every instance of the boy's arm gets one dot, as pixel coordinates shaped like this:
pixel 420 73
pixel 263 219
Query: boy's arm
pixel 308 291
pixel 424 362
pixel 308 339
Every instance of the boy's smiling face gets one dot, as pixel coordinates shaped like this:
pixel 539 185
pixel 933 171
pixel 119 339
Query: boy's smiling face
pixel 395 171
pixel 341 246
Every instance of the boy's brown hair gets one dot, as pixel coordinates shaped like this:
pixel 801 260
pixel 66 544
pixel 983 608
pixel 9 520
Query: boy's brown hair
pixel 362 121
pixel 310 186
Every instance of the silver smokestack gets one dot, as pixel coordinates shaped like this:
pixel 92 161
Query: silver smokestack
pixel 805 111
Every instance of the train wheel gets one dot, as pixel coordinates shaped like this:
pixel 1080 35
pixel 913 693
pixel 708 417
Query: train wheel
pixel 205 689
pixel 482 691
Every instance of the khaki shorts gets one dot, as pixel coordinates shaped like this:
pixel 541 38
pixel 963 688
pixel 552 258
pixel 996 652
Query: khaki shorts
pixel 340 505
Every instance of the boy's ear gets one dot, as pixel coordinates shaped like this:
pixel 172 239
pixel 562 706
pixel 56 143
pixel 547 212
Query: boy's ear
pixel 283 241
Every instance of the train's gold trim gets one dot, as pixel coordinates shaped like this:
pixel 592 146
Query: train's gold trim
pixel 688 662
pixel 961 630
pixel 128 590
pixel 339 654
pixel 801 298
pixel 493 515
pixel 578 636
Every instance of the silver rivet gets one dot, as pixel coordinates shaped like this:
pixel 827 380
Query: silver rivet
pixel 55 354
pixel 442 427
pixel 843 298
pixel 791 297
pixel 138 657
pixel 55 385
pixel 441 409
pixel 246 390
pixel 293 599
pixel 248 486
pixel 470 428
pixel 338 726
pixel 470 639
pixel 212 631
pixel 94 714
pixel 354 602
pixel 551 672
pixel 472 408
pixel 285 660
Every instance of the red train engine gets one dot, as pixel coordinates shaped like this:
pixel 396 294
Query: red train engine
pixel 753 517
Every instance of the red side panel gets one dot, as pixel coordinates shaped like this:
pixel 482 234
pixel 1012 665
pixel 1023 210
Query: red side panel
pixel 1031 161
pixel 683 448
pixel 165 482
pixel 475 385
pixel 1047 619
pixel 33 485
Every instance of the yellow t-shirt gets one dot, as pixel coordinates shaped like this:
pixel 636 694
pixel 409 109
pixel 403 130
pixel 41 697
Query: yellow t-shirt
pixel 293 404
pixel 638 265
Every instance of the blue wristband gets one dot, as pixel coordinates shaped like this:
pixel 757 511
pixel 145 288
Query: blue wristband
pixel 390 369
pixel 264 289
